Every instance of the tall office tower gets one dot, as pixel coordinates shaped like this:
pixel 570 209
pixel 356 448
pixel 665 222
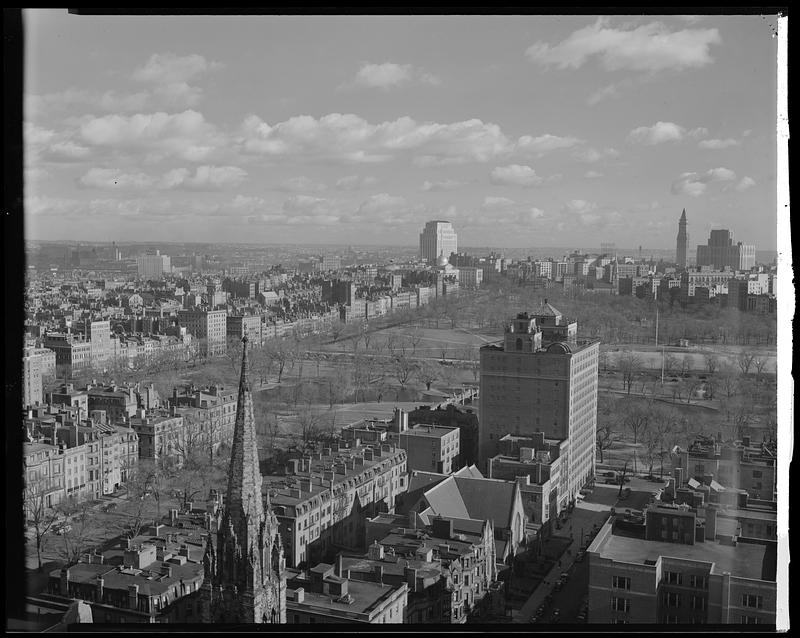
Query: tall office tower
pixel 437 238
pixel 32 392
pixel 683 242
pixel 245 579
pixel 721 252
pixel 542 378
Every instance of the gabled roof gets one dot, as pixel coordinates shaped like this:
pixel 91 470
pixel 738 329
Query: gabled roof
pixel 446 498
pixel 471 472
pixel 488 498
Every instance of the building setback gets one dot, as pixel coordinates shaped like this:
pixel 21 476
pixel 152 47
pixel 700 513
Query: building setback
pixel 437 238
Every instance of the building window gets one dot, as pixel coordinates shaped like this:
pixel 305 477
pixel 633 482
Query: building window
pixel 621 604
pixel 620 582
pixel 756 474
pixel 671 599
pixel 698 603
pixel 751 620
pixel 673 578
pixel 752 600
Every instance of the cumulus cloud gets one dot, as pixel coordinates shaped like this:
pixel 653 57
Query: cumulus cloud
pixel 168 68
pixel 302 183
pixel 609 91
pixel 657 134
pixel 515 175
pixel 586 213
pixel 109 179
pixel 591 155
pixel 745 183
pixel 502 211
pixel 718 144
pixel 354 182
pixel 390 75
pixel 545 143
pixel 649 47
pixel 350 138
pixel 304 209
pixel 695 184
pixel 185 135
pixel 592 174
pixel 205 178
pixel 441 185
pixel 42 144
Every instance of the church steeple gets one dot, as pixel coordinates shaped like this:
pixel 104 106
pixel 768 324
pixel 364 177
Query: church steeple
pixel 244 499
pixel 245 580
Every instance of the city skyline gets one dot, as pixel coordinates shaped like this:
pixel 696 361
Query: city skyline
pixel 520 130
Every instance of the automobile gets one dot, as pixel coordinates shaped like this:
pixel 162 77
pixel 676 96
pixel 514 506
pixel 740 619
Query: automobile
pixel 554 616
pixel 610 474
pixel 109 507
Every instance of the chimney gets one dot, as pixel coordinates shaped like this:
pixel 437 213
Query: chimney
pixel 711 523
pixel 377 571
pixel 167 571
pixel 64 581
pixel 133 595
pixel 184 551
pixel 99 584
pixel 299 595
pixel 173 517
pixel 411 578
pixel 339 565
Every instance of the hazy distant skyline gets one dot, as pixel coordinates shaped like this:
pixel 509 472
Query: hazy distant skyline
pixel 521 130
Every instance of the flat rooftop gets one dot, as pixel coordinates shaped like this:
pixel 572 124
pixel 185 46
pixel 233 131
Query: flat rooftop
pixel 743 560
pixel 432 431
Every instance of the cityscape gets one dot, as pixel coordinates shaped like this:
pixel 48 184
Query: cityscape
pixel 363 367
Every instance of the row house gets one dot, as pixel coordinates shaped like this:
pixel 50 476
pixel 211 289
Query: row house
pixel 323 499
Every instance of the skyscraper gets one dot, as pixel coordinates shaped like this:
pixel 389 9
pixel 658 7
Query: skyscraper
pixel 245 579
pixel 437 238
pixel 542 379
pixel 721 252
pixel 683 242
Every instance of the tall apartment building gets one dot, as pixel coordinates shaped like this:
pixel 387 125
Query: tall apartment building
pixel 682 242
pixel 32 391
pixel 98 334
pixel 542 379
pixel 251 325
pixel 153 266
pixel 210 326
pixel 437 238
pixel 674 566
pixel 721 252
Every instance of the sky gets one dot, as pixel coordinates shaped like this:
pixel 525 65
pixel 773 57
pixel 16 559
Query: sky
pixel 520 130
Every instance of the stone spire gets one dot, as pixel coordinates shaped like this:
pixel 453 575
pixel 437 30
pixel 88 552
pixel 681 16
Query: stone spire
pixel 244 500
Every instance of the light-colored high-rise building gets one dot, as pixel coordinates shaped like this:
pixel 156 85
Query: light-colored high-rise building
pixel 153 266
pixel 31 379
pixel 682 242
pixel 437 238
pixel 542 379
pixel 210 326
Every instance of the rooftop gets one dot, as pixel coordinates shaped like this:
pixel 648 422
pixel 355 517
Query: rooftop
pixel 363 597
pixel 743 559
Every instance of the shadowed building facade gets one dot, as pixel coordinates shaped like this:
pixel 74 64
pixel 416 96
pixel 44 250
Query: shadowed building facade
pixel 245 578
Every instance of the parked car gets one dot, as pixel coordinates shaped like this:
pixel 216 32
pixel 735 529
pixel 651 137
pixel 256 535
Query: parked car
pixel 109 507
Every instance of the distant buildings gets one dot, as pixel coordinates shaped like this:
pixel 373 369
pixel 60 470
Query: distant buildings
pixel 210 326
pixel 542 379
pixel 437 238
pixel 721 252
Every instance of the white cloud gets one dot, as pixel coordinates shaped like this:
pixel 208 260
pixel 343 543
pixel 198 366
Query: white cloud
pixel 441 185
pixel 185 135
pixel 205 178
pixel 592 174
pixel 301 183
pixel 591 155
pixel 745 183
pixel 578 206
pixel 168 68
pixel 659 133
pixel 649 47
pixel 496 212
pixel 718 144
pixel 545 143
pixel 695 184
pixel 111 179
pixel 515 175
pixel 390 75
pixel 354 183
pixel 350 138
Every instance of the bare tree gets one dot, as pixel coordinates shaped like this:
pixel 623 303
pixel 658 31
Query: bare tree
pixel 427 372
pixel 760 363
pixel 415 337
pixel 40 517
pixel 629 364
pixel 635 419
pixel 622 477
pixel 403 368
pixel 712 363
pixel 745 361
pixel 728 380
pixel 606 437
pixel 280 353
pixel 670 363
pixel 76 538
pixel 336 330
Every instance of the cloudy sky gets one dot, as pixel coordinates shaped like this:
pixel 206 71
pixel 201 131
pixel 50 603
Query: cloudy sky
pixel 521 130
